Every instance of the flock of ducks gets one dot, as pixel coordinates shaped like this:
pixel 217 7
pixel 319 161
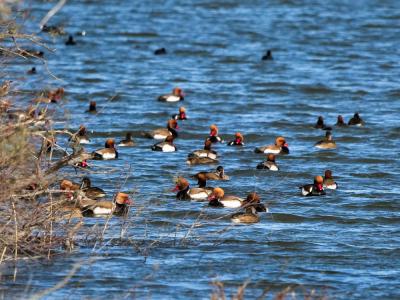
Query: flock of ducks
pixel 248 208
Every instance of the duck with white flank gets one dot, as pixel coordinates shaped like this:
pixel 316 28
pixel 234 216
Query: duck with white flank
pixel 206 152
pixel 109 152
pixel 315 189
pixel 329 182
pixel 184 192
pixel 218 199
pixel 238 141
pixel 269 164
pixel 356 120
pixel 177 95
pixel 181 115
pixel 127 142
pixel 162 133
pixel 214 138
pixel 280 147
pixel 119 206
pixel 166 146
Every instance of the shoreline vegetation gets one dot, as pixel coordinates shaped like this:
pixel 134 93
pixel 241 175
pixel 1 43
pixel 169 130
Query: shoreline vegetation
pixel 33 220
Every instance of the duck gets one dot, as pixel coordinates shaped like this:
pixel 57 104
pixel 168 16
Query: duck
pixel 82 135
pixel 109 152
pixel 200 160
pixel 253 199
pixel 52 96
pixel 119 206
pixel 218 174
pixel 329 182
pixel 127 142
pixel 249 216
pixel 214 138
pixel 238 141
pixel 70 41
pixel 267 55
pixel 206 152
pixel 166 146
pixel 160 51
pixel 321 125
pixel 340 121
pixel 184 192
pixel 315 189
pixel 177 95
pixel 162 133
pixel 218 199
pixel 5 88
pixel 269 164
pixel 181 115
pixel 32 71
pixel 327 142
pixel 280 147
pixel 356 120
pixel 52 29
pixel 28 53
pixel 68 185
pixel 90 191
pixel 92 107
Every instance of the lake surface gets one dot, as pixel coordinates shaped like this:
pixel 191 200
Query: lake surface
pixel 330 58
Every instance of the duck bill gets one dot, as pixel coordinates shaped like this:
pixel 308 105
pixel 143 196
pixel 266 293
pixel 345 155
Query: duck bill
pixel 175 189
pixel 286 145
pixel 211 197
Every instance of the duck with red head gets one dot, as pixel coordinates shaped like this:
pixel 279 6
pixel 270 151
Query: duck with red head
pixel 177 95
pixel 327 142
pixel 269 164
pixel 218 199
pixel 340 121
pixel 181 115
pixel 214 138
pixel 119 206
pixel 109 152
pixel 321 125
pixel 329 182
pixel 162 133
pixel 166 146
pixel 184 192
pixel 315 189
pixel 206 152
pixel 238 141
pixel 280 147
pixel 127 142
pixel 356 120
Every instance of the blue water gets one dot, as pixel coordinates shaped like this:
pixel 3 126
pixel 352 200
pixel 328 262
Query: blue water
pixel 330 58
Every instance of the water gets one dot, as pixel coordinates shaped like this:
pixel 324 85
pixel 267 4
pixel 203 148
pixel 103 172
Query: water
pixel 329 59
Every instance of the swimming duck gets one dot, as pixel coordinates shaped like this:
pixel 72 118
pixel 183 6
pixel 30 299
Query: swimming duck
pixel 218 174
pixel 181 115
pixel 177 95
pixel 253 199
pixel 340 121
pixel 218 199
pixel 90 191
pixel 200 160
pixel 356 120
pixel 315 189
pixel 166 146
pixel 238 141
pixel 214 138
pixel 127 142
pixel 327 142
pixel 186 193
pixel 162 133
pixel 321 125
pixel 109 152
pixel 5 88
pixel 329 182
pixel 52 96
pixel 267 55
pixel 70 41
pixel 119 206
pixel 249 216
pixel 269 164
pixel 32 71
pixel 82 135
pixel 68 185
pixel 160 51
pixel 92 107
pixel 206 152
pixel 52 29
pixel 280 147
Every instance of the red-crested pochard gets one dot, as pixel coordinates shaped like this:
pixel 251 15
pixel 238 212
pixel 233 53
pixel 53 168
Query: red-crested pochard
pixel 218 199
pixel 162 133
pixel 206 152
pixel 327 142
pixel 315 189
pixel 109 152
pixel 177 95
pixel 214 138
pixel 181 115
pixel 184 192
pixel 269 164
pixel 166 146
pixel 329 182
pixel 238 141
pixel 280 147
pixel 119 206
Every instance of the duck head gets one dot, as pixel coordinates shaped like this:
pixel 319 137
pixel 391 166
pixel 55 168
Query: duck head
pixel 66 185
pixel 181 184
pixel 123 199
pixel 82 130
pixel 271 157
pixel 328 136
pixel 172 124
pixel 201 180
pixel 320 121
pixel 220 171
pixel 178 92
pixel 182 113
pixel 213 130
pixel 340 120
pixel 238 138
pixel 110 143
pixel 92 106
pixel 86 183
pixel 328 174
pixel 217 194
pixel 128 136
pixel 281 142
pixel 318 181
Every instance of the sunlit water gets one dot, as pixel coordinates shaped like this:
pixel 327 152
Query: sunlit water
pixel 330 58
